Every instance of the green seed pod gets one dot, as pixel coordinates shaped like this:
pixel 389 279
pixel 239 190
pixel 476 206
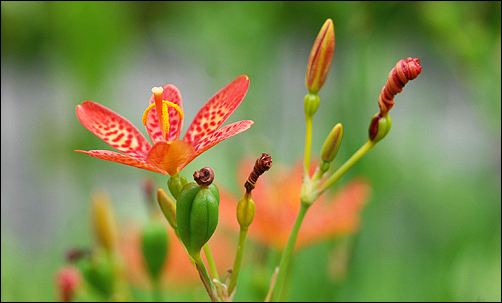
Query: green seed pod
pixel 197 213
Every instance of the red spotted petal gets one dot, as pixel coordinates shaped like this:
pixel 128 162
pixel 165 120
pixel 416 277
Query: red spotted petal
pixel 119 158
pixel 170 156
pixel 220 135
pixel 113 129
pixel 172 94
pixel 217 110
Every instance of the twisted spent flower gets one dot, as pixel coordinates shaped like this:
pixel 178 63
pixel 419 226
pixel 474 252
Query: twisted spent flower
pixel 261 165
pixel 163 120
pixel 404 71
pixel 204 176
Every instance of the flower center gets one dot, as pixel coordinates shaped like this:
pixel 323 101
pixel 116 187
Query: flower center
pixel 162 107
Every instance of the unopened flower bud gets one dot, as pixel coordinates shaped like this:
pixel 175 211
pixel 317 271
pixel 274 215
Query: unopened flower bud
pixel 68 280
pixel 332 144
pixel 167 206
pixel 104 223
pixel 155 247
pixel 321 57
pixel 379 127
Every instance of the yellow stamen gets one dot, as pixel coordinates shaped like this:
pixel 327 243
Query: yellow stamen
pixel 145 114
pixel 165 115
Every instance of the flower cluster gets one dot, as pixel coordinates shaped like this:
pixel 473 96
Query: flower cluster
pixel 191 211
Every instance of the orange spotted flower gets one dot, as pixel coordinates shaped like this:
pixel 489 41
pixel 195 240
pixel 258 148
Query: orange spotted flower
pixel 163 120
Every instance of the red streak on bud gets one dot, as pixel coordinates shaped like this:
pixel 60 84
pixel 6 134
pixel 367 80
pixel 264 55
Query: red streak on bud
pixel 321 57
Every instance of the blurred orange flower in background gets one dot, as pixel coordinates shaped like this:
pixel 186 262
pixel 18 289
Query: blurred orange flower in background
pixel 277 198
pixel 178 271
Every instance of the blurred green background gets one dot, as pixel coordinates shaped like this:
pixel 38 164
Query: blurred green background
pixel 432 230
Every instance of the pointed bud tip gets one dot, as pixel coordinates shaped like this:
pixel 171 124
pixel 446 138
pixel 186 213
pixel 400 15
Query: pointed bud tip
pixel 321 57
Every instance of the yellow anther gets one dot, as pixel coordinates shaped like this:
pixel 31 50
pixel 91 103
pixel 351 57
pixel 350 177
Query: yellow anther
pixel 165 114
pixel 165 117
pixel 175 106
pixel 145 114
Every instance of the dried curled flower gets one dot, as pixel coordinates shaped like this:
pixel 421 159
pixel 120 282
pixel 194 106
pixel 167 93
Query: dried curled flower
pixel 261 165
pixel 204 176
pixel 404 71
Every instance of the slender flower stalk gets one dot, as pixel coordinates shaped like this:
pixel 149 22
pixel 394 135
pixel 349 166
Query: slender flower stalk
pixel 288 251
pixel 342 170
pixel 308 145
pixel 204 275
pixel 210 261
pixel 245 214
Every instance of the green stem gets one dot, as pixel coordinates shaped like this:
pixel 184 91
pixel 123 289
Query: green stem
pixel 336 175
pixel 206 279
pixel 286 255
pixel 238 260
pixel 210 261
pixel 308 143
pixel 157 294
